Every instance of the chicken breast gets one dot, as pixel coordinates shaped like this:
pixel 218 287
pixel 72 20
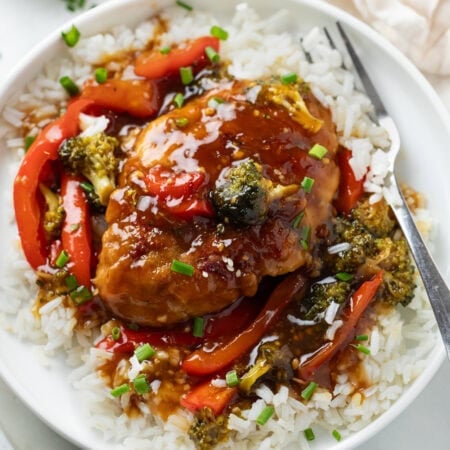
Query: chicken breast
pixel 162 210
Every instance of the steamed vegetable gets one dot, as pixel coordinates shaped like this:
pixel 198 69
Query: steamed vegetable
pixel 93 157
pixel 244 195
pixel 54 214
pixel 207 430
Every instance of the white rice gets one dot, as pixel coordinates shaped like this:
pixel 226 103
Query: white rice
pixel 256 48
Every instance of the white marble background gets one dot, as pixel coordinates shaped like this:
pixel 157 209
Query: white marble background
pixel 425 424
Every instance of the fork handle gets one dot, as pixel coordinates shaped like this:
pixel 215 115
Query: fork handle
pixel 437 290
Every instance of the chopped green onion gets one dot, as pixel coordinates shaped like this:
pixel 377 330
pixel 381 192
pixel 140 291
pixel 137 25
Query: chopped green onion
pixel 165 50
pixel 184 5
pixel 181 122
pixel 309 434
pixel 87 187
pixel 62 259
pixel 144 352
pixel 120 390
pixel 336 435
pixel 265 415
pixel 140 385
pixel 309 390
pixel 181 267
pixel 215 101
pixel 232 378
pixel 69 85
pixel 74 227
pixel 179 99
pixel 28 142
pixel 80 295
pixel 305 236
pixel 199 327
pixel 362 349
pixel 187 77
pixel 318 151
pixel 212 55
pixel 71 282
pixel 298 219
pixel 116 333
pixel 307 184
pixel 218 32
pixel 101 75
pixel 289 78
pixel 362 337
pixel 72 36
pixel 344 276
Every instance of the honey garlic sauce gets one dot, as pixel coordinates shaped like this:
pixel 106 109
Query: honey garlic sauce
pixel 134 276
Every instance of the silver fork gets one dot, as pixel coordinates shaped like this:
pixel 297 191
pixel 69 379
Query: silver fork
pixel 435 286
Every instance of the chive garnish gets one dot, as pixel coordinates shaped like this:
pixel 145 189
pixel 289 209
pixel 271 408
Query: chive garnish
pixel 69 85
pixel 184 5
pixel 101 75
pixel 362 337
pixel 232 378
pixel 120 390
pixel 305 236
pixel 298 219
pixel 336 435
pixel 80 295
pixel 218 32
pixel 75 227
pixel 87 187
pixel 165 50
pixel 289 78
pixel 116 333
pixel 212 55
pixel 144 352
pixel 361 348
pixel 215 101
pixel 309 434
pixel 71 282
pixel 71 37
pixel 318 151
pixel 62 259
pixel 309 390
pixel 186 75
pixel 181 122
pixel 179 100
pixel 199 327
pixel 181 267
pixel 265 415
pixel 344 276
pixel 28 142
pixel 307 184
pixel 140 385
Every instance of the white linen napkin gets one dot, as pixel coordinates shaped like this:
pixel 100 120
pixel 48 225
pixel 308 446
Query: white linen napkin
pixel 419 28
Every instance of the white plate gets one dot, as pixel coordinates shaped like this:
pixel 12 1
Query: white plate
pixel 425 130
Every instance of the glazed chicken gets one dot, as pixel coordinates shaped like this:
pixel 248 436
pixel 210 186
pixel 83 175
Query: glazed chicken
pixel 173 202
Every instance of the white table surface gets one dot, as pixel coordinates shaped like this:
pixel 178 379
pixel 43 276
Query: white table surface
pixel 425 424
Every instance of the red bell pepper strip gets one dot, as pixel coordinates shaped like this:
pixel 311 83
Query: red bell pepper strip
pixel 190 208
pixel 76 231
pixel 139 98
pixel 350 189
pixel 358 303
pixel 203 362
pixel 155 65
pixel 26 184
pixel 230 321
pixel 206 395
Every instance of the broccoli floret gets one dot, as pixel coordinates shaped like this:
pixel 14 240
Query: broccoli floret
pixel 207 430
pixel 376 218
pixel 54 214
pixel 322 294
pixel 362 245
pixel 92 198
pixel 243 195
pixel 272 363
pixel 95 158
pixel 399 273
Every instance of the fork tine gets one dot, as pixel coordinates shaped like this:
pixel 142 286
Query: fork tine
pixel 307 54
pixel 380 110
pixel 333 45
